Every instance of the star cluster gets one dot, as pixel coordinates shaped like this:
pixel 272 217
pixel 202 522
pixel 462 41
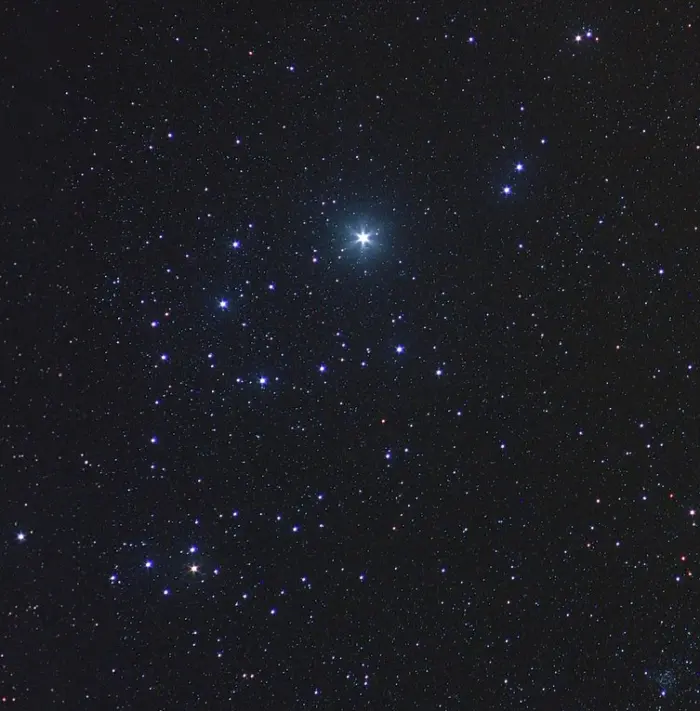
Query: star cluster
pixel 350 357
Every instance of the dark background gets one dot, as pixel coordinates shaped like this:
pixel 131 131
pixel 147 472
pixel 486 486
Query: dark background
pixel 517 532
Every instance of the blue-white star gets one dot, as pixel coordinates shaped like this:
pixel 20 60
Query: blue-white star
pixel 363 237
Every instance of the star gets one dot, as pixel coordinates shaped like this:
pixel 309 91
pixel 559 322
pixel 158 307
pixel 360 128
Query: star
pixel 507 190
pixel 519 167
pixel 21 536
pixel 363 237
pixel 223 304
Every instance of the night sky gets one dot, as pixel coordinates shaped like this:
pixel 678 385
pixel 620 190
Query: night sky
pixel 350 356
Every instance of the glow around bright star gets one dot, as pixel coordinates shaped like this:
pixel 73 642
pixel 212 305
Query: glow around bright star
pixel 363 237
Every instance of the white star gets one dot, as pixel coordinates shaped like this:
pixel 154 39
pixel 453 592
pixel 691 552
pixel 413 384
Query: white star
pixel 21 536
pixel 363 237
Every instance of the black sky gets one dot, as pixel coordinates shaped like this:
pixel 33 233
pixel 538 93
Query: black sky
pixel 251 461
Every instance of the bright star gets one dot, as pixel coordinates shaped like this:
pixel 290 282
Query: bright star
pixel 262 380
pixel 223 304
pixel 399 349
pixel 519 167
pixel 363 237
pixel 507 190
pixel 20 537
